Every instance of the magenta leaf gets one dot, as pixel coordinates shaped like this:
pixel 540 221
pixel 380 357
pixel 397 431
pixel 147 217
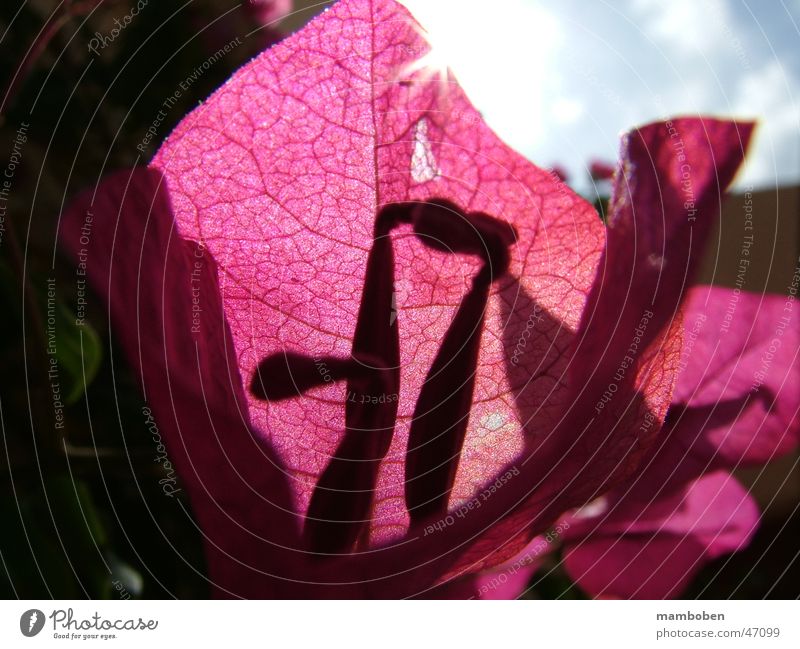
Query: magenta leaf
pixel 735 404
pixel 559 172
pixel 267 11
pixel 738 393
pixel 666 197
pixel 601 170
pixel 737 396
pixel 652 552
pixel 299 153
pixel 507 580
pixel 405 299
pixel 193 389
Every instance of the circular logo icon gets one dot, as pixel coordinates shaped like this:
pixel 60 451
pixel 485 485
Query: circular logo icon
pixel 31 622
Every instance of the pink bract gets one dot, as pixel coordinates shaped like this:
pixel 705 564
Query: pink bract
pixel 267 11
pixel 735 404
pixel 601 170
pixel 332 211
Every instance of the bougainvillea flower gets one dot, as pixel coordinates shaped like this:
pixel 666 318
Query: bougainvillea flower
pixel 227 28
pixel 559 172
pixel 267 11
pixel 601 170
pixel 651 550
pixel 378 341
pixel 737 397
pixel 735 404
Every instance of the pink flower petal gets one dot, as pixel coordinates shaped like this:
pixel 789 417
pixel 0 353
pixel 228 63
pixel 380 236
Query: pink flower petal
pixel 194 394
pixel 738 393
pixel 601 170
pixel 268 11
pixel 297 153
pixel 653 551
pixel 507 580
pixel 362 234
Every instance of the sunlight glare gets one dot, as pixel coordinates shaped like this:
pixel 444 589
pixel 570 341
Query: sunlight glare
pixel 502 57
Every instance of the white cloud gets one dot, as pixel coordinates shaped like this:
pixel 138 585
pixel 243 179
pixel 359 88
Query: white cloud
pixel 560 82
pixel 769 95
pixel 685 26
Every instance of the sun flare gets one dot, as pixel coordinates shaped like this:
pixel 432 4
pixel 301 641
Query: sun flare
pixel 501 55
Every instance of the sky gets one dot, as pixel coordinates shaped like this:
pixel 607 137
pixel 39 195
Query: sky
pixel 561 81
